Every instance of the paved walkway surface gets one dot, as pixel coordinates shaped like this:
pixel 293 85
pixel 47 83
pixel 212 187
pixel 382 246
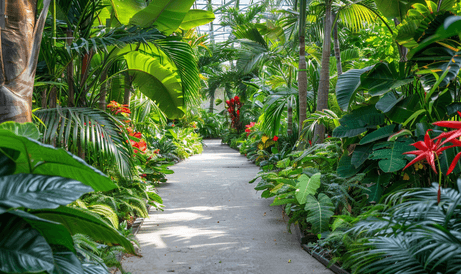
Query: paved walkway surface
pixel 215 222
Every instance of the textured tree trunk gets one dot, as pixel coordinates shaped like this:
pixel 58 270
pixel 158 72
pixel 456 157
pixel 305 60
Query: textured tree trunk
pixel 53 98
pixel 127 93
pixel 44 97
pixel 70 73
pixel 21 35
pixel 290 119
pixel 339 66
pixel 302 74
pixel 211 103
pixel 103 91
pixel 324 82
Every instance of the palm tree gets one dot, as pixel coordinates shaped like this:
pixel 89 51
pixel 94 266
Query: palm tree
pixel 302 74
pixel 20 49
pixel 324 83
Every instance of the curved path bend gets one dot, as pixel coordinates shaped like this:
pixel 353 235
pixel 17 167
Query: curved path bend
pixel 215 222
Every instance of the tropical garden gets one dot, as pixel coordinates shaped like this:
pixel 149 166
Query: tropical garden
pixel 351 109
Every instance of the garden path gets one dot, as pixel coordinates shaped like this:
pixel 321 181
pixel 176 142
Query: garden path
pixel 215 222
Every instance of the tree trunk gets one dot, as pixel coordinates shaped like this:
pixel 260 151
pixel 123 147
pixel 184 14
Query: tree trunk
pixel 212 102
pixel 44 97
pixel 339 66
pixel 302 74
pixel 127 93
pixel 103 91
pixel 21 35
pixel 290 118
pixel 70 73
pixel 324 82
pixel 53 98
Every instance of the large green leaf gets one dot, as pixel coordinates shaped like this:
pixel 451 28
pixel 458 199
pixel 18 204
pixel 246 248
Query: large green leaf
pixel 395 8
pixel 376 184
pixel 359 121
pixel 165 15
pixel 405 109
pixel 82 221
pixel 195 18
pixel 124 10
pixel 28 130
pixel 361 154
pixel 7 161
pixel 347 86
pixel 307 186
pixel 451 27
pixel 67 263
pixel 320 212
pixel 54 233
pixel 381 133
pixel 22 248
pixel 157 78
pixel 94 269
pixel 37 158
pixel 383 78
pixel 388 101
pixel 390 155
pixel 39 191
pixel 345 168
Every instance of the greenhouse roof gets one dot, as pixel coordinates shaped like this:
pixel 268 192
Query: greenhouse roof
pixel 221 33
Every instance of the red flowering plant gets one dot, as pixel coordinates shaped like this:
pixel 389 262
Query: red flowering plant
pixel 249 128
pixel 431 149
pixel 233 107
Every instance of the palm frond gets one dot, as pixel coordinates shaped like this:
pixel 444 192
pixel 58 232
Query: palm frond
pixel 90 130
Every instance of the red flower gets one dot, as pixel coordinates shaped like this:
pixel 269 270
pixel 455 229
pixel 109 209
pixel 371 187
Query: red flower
pixel 236 99
pixel 228 102
pixel 427 149
pixel 172 125
pixel 136 135
pixel 238 112
pixel 310 142
pixel 275 138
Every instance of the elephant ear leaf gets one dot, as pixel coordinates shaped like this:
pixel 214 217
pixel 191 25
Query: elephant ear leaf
pixel 158 79
pixel 320 212
pixel 28 130
pixel 7 160
pixel 390 154
pixel 358 122
pixel 82 221
pixel 38 158
pixel 307 186
pixel 39 191
pixel 67 262
pixel 22 248
pixel 94 269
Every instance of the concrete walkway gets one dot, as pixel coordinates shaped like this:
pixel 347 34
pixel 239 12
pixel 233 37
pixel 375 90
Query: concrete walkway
pixel 215 222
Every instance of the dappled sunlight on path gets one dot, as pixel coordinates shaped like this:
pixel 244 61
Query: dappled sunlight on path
pixel 215 222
